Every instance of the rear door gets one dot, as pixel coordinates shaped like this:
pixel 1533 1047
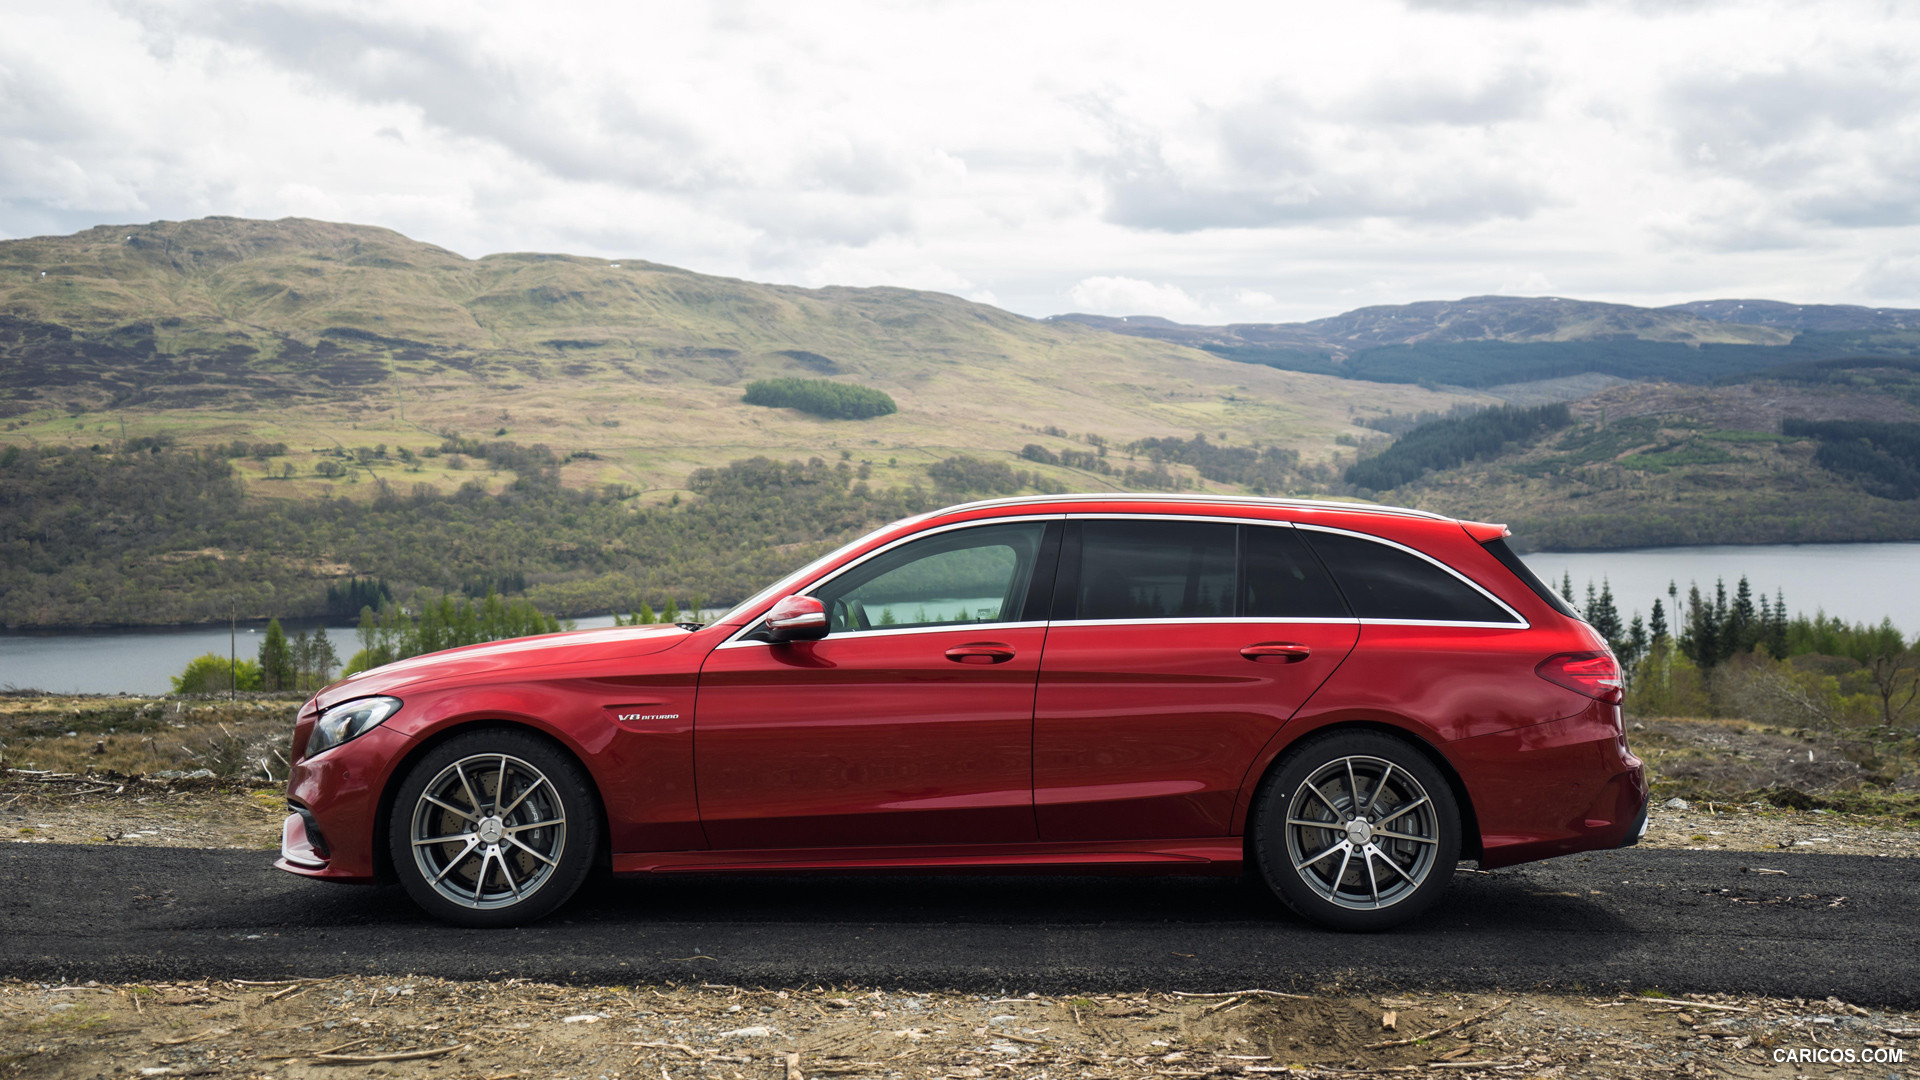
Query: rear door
pixel 1178 647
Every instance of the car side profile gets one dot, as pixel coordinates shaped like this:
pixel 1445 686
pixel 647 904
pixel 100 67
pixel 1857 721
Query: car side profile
pixel 1344 700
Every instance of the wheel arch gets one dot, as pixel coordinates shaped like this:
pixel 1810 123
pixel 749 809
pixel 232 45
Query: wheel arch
pixel 1275 756
pixel 383 868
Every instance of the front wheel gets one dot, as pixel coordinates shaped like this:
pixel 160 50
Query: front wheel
pixel 493 828
pixel 1356 830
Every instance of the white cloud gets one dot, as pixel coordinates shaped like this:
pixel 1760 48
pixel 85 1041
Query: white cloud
pixel 1131 296
pixel 1254 161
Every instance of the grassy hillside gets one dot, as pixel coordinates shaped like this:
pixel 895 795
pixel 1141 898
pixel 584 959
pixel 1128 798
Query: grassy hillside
pixel 327 336
pixel 1500 341
pixel 1658 464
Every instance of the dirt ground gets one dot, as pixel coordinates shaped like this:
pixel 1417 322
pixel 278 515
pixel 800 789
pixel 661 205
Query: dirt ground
pixel 431 1028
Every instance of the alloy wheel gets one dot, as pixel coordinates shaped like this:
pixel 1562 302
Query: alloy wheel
pixel 1362 832
pixel 488 831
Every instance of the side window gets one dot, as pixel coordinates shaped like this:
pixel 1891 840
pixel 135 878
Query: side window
pixel 964 576
pixel 1383 582
pixel 1283 580
pixel 1155 570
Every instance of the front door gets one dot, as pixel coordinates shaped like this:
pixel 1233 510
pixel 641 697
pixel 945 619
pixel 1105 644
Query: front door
pixel 1178 649
pixel 910 723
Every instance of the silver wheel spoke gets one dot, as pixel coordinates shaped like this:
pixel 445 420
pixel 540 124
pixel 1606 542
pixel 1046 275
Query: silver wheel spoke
pixel 1373 800
pixel 1373 883
pixel 1323 798
pixel 1405 836
pixel 513 830
pixel 431 840
pixel 1353 788
pixel 1309 824
pixel 522 797
pixel 1414 805
pixel 1322 855
pixel 472 842
pixel 507 872
pixel 515 841
pixel 1345 861
pixel 473 800
pixel 500 788
pixel 1397 870
pixel 449 807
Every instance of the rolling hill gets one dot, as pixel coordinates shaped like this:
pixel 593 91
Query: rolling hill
pixel 323 335
pixel 222 408
pixel 1502 343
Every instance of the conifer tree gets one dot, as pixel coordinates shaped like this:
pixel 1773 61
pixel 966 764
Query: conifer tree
pixel 276 659
pixel 1657 623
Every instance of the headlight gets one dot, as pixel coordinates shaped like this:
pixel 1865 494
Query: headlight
pixel 347 720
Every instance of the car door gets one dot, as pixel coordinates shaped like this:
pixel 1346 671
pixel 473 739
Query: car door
pixel 910 723
pixel 1178 648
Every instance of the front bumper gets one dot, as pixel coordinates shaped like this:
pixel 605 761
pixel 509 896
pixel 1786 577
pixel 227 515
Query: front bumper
pixel 335 799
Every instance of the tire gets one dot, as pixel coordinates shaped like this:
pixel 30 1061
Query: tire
pixel 1312 850
pixel 494 869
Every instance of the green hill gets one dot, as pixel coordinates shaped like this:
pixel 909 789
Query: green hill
pixel 1825 452
pixel 322 335
pixel 1501 341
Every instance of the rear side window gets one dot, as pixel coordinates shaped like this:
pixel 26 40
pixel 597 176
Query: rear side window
pixel 1384 582
pixel 1497 547
pixel 1283 580
pixel 1155 570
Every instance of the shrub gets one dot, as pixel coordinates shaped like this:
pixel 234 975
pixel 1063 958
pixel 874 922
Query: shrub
pixel 821 397
pixel 213 674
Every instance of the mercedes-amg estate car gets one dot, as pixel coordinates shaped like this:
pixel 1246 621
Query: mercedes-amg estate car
pixel 1343 700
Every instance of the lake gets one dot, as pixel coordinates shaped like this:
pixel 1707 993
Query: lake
pixel 1858 582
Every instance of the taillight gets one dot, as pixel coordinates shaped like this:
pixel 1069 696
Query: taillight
pixel 1594 674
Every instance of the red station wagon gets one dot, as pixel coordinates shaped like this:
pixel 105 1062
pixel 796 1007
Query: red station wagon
pixel 1343 699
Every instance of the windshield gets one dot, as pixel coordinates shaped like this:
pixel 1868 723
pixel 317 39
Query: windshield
pixel 787 584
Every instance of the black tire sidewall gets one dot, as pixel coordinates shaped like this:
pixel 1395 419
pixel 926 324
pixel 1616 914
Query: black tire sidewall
pixel 576 795
pixel 1268 823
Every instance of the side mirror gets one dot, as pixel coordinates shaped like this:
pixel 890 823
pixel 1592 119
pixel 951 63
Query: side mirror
pixel 797 618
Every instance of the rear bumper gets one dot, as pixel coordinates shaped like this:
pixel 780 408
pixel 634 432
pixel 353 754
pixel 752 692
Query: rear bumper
pixel 1639 827
pixel 1553 789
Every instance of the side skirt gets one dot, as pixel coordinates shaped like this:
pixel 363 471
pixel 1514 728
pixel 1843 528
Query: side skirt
pixel 1212 855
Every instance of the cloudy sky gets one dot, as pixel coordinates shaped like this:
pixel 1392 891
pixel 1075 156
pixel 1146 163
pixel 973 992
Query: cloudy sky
pixel 1207 162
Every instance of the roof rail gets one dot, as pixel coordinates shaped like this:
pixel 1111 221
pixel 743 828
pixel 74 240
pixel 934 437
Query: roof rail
pixel 1229 500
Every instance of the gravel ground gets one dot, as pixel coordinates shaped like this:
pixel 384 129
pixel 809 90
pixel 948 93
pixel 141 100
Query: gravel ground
pixel 81 811
pixel 432 1028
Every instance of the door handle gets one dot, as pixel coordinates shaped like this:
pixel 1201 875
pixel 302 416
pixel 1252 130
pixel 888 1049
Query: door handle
pixel 980 652
pixel 1277 652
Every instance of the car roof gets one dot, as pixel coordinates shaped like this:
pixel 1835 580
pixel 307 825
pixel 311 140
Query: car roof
pixel 1248 501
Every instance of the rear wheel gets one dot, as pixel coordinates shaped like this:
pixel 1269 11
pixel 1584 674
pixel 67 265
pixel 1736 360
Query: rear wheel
pixel 493 828
pixel 1356 830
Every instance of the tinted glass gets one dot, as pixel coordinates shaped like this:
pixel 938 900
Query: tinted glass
pixel 1498 548
pixel 1382 582
pixel 1284 580
pixel 966 576
pixel 1155 570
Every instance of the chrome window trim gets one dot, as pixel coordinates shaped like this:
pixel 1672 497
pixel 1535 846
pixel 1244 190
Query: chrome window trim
pixel 862 635
pixel 817 583
pixel 1519 621
pixel 1063 624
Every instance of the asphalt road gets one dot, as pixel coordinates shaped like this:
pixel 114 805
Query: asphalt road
pixel 1672 920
